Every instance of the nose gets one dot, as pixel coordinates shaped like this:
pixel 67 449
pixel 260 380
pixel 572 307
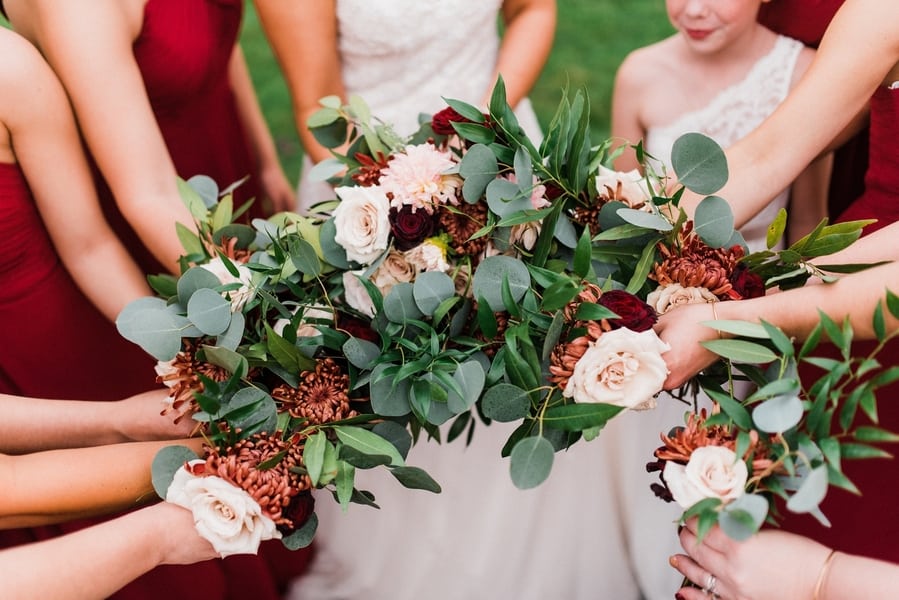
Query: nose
pixel 696 8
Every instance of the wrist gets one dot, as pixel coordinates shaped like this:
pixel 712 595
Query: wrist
pixel 823 572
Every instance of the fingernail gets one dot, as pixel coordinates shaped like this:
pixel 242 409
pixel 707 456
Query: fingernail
pixel 679 529
pixel 672 560
pixel 678 596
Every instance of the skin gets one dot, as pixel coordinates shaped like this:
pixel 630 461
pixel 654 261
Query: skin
pixel 817 112
pixel 311 63
pixel 717 43
pixel 89 46
pixel 97 561
pixel 755 569
pixel 38 131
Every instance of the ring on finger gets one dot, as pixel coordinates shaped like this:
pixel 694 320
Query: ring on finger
pixel 710 582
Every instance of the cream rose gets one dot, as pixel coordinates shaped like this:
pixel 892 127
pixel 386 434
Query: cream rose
pixel 355 294
pixel 304 328
pixel 623 186
pixel 395 269
pixel 362 222
pixel 525 234
pixel 666 297
pixel 712 472
pixel 427 256
pixel 623 368
pixel 224 514
pixel 241 295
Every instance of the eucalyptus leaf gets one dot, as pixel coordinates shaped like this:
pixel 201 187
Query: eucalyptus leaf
pixel 302 537
pixel 430 289
pixel 505 403
pixel 471 377
pixel 154 330
pixel 714 221
pixel 209 311
pixel 399 304
pixel 192 200
pixel 531 462
pixel 361 353
pixel 396 434
pixel 744 516
pixel 388 399
pixel 490 274
pixel 166 462
pixel 195 278
pixel 415 478
pixel 478 168
pixel 644 219
pixel 812 491
pixel 778 414
pixel 700 163
pixel 505 199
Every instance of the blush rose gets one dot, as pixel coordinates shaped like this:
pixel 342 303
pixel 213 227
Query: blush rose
pixel 712 472
pixel 362 222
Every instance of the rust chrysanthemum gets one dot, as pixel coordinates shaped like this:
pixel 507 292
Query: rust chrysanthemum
pixel 274 486
pixel 493 344
pixel 369 171
pixel 182 376
pixel 322 395
pixel 565 355
pixel 461 222
pixel 694 264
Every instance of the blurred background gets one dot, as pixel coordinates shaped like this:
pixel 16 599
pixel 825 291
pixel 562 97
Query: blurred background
pixel 592 38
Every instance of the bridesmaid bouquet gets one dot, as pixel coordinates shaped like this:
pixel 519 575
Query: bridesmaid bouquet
pixel 465 274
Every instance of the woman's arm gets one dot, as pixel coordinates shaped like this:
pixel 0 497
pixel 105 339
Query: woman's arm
pixel 34 424
pixel 273 182
pixel 61 485
pixel 627 125
pixel 530 27
pixel 776 564
pixel 303 36
pixel 858 52
pixel 808 198
pixel 97 561
pixel 46 144
pixel 795 311
pixel 89 45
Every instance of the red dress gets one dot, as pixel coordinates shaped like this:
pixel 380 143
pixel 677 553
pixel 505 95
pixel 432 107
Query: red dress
pixel 183 52
pixel 868 524
pixel 806 21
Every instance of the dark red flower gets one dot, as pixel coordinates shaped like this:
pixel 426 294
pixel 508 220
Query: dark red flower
pixel 746 284
pixel 553 190
pixel 442 121
pixel 632 312
pixel 410 228
pixel 300 509
pixel 357 328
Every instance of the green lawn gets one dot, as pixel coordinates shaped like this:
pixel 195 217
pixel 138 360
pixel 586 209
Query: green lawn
pixel 592 38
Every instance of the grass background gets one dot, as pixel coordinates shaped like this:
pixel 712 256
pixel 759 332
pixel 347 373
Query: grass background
pixel 592 38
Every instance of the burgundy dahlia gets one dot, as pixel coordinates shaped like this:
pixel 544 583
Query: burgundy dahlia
pixel 410 227
pixel 746 284
pixel 632 312
pixel 442 121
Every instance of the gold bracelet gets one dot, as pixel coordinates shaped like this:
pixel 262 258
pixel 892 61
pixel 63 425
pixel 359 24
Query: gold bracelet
pixel 715 316
pixel 822 575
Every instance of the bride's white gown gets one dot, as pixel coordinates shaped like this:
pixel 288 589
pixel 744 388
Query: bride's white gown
pixel 481 537
pixel 627 443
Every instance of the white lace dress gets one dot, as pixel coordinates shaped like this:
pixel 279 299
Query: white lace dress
pixel 628 441
pixel 404 56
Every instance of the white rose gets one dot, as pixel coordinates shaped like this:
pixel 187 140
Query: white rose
pixel 304 328
pixel 241 295
pixel 623 368
pixel 712 472
pixel 627 187
pixel 355 294
pixel 427 256
pixel 666 297
pixel 224 514
pixel 362 222
pixel 395 269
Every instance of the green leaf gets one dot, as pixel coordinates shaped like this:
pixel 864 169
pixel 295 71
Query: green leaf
pixel 851 451
pixel 153 329
pixel 209 311
pixel 714 221
pixel 812 491
pixel 778 414
pixel 361 353
pixel 231 361
pixel 478 168
pixel 195 278
pixel 470 377
pixel 583 254
pixel 189 241
pixel 430 289
pixel 776 229
pixel 577 417
pixel 488 278
pixel 892 301
pixel 474 132
pixel 166 462
pixel 505 402
pixel 645 220
pixel 233 336
pixel 867 433
pixel 415 478
pixel 731 407
pixel 346 473
pixel 302 537
pixel 287 355
pixel 470 112
pixel 314 455
pixel 590 311
pixel 744 516
pixel 367 442
pixel 739 328
pixel 740 351
pixel 207 189
pixel 700 163
pixel 304 257
pixel 531 462
pixel 192 200
pixel 505 199
pixel 644 266
pixel 399 304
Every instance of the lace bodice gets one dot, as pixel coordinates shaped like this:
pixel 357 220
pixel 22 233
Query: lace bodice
pixel 401 56
pixel 735 112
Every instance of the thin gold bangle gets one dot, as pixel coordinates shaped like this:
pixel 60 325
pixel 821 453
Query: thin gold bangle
pixel 715 316
pixel 822 575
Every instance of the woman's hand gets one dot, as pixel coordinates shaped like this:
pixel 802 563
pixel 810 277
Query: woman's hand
pixel 771 564
pixel 139 418
pixel 276 189
pixel 681 329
